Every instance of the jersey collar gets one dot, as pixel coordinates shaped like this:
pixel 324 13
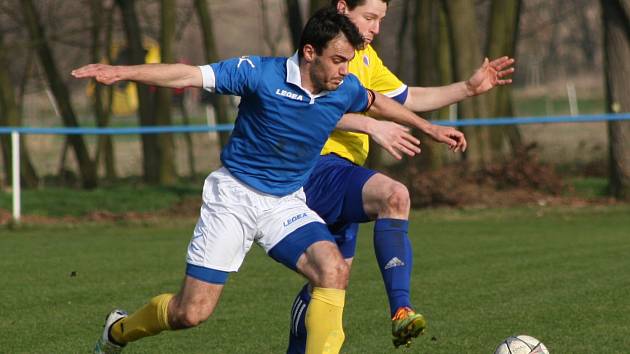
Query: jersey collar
pixel 293 77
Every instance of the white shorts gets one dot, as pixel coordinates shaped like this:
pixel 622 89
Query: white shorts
pixel 233 216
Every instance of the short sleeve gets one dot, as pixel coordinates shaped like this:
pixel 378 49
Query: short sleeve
pixel 236 76
pixel 385 82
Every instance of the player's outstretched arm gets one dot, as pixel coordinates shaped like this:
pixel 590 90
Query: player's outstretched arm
pixel 389 109
pixel 489 75
pixel 393 137
pixel 164 75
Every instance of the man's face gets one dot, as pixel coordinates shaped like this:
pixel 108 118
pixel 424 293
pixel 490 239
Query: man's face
pixel 366 17
pixel 329 68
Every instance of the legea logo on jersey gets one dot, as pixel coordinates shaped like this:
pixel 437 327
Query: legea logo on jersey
pixel 294 219
pixel 289 94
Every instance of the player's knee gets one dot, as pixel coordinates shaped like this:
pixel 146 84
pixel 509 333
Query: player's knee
pixel 398 198
pixel 335 275
pixel 193 316
pixel 193 319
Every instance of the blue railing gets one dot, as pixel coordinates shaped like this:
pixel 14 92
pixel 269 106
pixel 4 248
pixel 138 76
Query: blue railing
pixel 228 127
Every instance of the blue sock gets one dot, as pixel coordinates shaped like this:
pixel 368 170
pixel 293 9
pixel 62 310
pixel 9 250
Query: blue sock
pixel 297 336
pixel 394 256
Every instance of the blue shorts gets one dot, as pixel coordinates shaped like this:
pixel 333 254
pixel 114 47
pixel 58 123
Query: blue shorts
pixel 334 191
pixel 289 250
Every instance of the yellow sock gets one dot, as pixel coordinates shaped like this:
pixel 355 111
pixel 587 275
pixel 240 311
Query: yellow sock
pixel 324 321
pixel 148 321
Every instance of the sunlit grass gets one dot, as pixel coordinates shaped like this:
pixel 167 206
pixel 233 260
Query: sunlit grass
pixel 558 274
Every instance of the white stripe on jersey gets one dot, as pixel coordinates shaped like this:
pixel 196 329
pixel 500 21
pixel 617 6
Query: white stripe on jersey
pixel 396 92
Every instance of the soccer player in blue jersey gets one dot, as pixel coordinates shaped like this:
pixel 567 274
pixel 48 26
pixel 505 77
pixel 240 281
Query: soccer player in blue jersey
pixel 288 109
pixel 345 193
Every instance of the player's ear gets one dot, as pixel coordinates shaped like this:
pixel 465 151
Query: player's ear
pixel 342 7
pixel 308 53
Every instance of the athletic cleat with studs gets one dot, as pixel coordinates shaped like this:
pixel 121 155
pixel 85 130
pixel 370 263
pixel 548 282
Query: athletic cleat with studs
pixel 406 325
pixel 105 345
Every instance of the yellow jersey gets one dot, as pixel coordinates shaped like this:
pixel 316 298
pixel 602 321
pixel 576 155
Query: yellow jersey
pixel 369 68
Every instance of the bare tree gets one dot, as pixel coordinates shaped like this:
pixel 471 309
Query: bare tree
pixel 318 4
pixel 294 19
pixel 87 167
pixel 465 47
pixel 179 95
pixel 102 95
pixel 272 40
pixel 166 148
pixel 427 56
pixel 502 36
pixel 9 116
pixel 151 160
pixel 616 21
pixel 402 32
pixel 220 103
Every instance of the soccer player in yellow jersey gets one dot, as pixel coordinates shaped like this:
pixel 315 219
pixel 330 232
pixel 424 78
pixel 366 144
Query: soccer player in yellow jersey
pixel 344 193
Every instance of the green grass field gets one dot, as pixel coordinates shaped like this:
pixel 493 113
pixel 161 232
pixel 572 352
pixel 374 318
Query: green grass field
pixel 559 274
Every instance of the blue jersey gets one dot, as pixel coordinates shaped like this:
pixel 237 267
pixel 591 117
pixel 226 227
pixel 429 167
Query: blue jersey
pixel 281 127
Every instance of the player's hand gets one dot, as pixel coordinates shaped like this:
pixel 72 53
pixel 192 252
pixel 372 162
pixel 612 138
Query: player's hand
pixel 103 73
pixel 489 75
pixel 452 137
pixel 395 138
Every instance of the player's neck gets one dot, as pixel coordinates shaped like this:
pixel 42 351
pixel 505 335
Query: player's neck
pixel 305 77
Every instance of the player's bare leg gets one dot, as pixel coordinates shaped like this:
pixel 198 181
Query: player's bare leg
pixel 384 197
pixel 328 274
pixel 388 201
pixel 194 304
pixel 323 266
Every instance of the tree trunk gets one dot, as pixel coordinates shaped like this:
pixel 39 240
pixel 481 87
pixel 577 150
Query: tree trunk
pixel 466 58
pixel 502 35
pixel 151 161
pixel 294 19
pixel 9 116
pixel 219 102
pixel 102 95
pixel 444 58
pixel 270 32
pixel 616 21
pixel 166 148
pixel 402 31
pixel 87 167
pixel 190 151
pixel 426 75
pixel 318 4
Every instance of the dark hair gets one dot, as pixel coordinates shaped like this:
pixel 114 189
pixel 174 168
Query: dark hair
pixel 325 25
pixel 354 3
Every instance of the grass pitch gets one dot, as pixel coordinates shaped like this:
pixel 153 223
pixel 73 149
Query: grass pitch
pixel 558 274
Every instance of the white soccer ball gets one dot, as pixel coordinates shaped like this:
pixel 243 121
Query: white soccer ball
pixel 521 345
